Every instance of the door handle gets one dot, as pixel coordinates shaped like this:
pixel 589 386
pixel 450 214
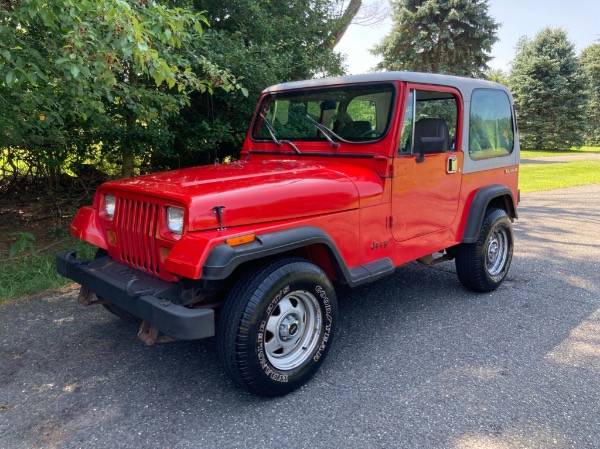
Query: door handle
pixel 451 164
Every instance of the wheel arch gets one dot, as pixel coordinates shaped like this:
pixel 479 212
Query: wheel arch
pixel 308 242
pixel 497 195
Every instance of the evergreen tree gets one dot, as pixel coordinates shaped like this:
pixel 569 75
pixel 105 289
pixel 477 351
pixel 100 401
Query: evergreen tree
pixel 590 62
pixel 497 75
pixel 550 92
pixel 439 36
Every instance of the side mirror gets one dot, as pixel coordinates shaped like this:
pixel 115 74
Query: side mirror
pixel 430 145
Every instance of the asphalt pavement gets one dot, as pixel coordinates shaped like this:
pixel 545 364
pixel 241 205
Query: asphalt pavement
pixel 419 362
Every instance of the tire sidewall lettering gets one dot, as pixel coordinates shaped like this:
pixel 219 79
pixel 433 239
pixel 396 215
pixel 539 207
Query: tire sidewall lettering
pixel 320 291
pixel 262 358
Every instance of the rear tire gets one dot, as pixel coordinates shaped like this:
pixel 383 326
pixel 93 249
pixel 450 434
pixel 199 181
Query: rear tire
pixel 483 265
pixel 277 325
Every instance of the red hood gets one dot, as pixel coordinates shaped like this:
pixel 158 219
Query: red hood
pixel 256 192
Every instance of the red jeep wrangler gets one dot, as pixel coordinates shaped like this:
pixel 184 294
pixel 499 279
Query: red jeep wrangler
pixel 340 180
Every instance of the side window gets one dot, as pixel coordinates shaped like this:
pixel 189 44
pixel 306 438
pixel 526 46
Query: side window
pixel 430 122
pixel 491 132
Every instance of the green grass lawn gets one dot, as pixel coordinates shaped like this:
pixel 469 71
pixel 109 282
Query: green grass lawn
pixel 33 273
pixel 26 276
pixel 558 175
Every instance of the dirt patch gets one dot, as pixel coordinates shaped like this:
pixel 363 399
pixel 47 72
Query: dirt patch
pixel 50 295
pixel 46 215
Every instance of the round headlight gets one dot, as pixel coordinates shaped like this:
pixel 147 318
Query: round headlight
pixel 175 219
pixel 109 205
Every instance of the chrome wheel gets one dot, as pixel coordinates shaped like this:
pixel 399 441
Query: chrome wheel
pixel 497 252
pixel 293 330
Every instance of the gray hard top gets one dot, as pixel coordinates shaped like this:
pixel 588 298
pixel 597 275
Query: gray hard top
pixel 464 85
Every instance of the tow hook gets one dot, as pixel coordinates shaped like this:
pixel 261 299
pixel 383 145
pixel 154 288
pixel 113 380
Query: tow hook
pixel 149 335
pixel 86 297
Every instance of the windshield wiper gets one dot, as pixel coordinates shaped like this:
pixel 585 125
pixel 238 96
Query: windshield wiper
pixel 326 132
pixel 271 130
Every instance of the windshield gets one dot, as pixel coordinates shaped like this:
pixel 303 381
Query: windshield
pixel 359 113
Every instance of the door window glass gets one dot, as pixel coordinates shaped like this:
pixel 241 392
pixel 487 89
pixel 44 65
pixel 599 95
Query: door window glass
pixel 430 122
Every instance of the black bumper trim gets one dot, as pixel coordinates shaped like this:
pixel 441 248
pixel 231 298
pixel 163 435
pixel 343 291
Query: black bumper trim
pixel 224 259
pixel 141 294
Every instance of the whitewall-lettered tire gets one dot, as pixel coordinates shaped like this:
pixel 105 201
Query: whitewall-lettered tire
pixel 277 326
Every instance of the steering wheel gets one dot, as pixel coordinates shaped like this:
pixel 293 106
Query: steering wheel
pixel 372 133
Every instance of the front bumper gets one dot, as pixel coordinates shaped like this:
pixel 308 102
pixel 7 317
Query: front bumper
pixel 141 294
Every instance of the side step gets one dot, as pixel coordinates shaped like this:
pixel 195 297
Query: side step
pixel 430 261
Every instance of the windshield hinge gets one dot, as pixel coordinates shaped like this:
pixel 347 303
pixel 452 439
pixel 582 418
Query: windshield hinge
pixel 388 170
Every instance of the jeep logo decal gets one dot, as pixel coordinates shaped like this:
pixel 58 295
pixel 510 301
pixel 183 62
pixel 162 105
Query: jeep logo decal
pixel 381 244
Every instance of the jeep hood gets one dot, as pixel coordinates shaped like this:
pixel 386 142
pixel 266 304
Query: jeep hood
pixel 251 193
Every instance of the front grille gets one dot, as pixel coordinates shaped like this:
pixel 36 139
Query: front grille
pixel 137 222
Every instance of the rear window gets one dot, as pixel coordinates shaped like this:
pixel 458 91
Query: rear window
pixel 491 131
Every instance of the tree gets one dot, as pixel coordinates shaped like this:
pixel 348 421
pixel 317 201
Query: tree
pixel 439 36
pixel 82 67
pixel 590 62
pixel 497 75
pixel 358 13
pixel 549 90
pixel 284 41
pixel 116 96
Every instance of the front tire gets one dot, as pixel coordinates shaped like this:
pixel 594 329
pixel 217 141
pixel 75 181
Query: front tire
pixel 483 265
pixel 277 326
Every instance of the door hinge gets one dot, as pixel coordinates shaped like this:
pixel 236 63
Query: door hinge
pixel 389 222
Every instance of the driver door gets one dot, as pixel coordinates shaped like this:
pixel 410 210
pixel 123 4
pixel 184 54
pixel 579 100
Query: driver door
pixel 427 169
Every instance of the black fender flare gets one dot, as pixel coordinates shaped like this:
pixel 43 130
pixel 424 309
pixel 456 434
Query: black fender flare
pixel 224 259
pixel 483 197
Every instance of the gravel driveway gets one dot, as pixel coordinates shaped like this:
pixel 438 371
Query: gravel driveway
pixel 419 362
pixel 571 158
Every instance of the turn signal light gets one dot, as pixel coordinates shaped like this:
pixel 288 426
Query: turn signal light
pixel 236 241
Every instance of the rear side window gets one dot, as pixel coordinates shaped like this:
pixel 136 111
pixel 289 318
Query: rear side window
pixel 491 131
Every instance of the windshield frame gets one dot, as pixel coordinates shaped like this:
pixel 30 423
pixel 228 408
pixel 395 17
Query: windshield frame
pixel 359 88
